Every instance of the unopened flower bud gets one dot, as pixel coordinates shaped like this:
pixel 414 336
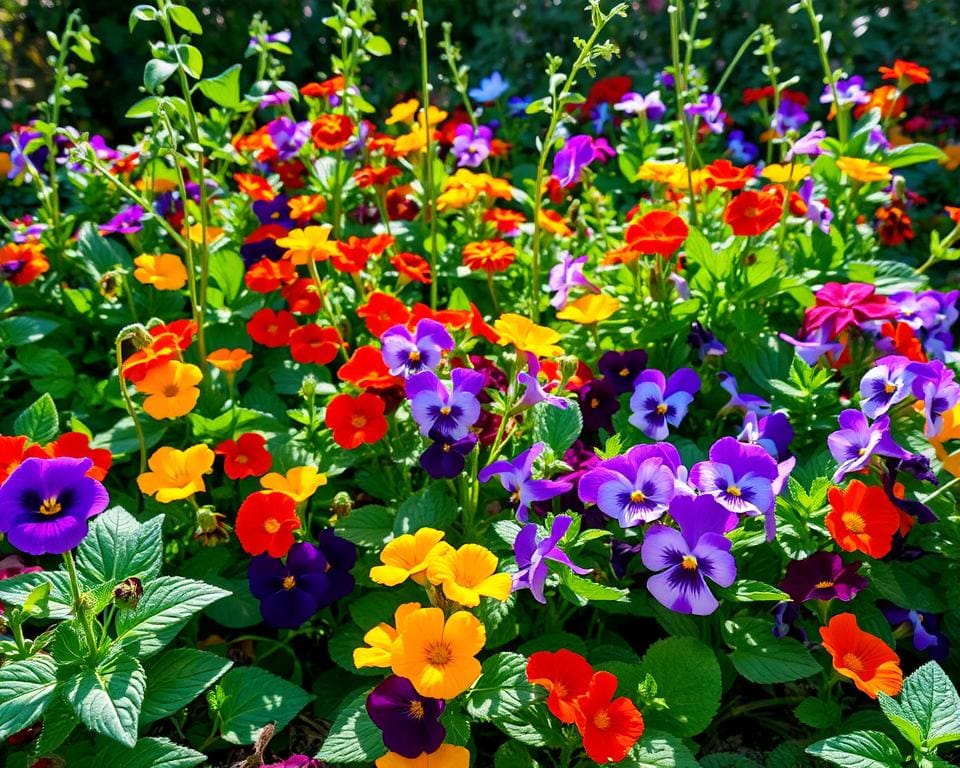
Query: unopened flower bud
pixel 309 386
pixel 899 187
pixel 342 504
pixel 111 284
pixel 212 528
pixel 128 592
pixel 568 366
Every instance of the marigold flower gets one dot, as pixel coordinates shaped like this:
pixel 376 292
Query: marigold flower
pixel 247 456
pixel 467 574
pixel 447 756
pixel 300 483
pixel 407 557
pixel 488 255
pixel 589 309
pixel 437 655
pixel 228 360
pixel 266 522
pixel 308 243
pixel 365 369
pixel 526 335
pixel 164 271
pixel 864 171
pixel 76 445
pixel 331 131
pixel 255 187
pixel 383 311
pixel 22 263
pixel 753 213
pixel 863 518
pixel 270 328
pixel 176 474
pixel 171 389
pixel 315 344
pixel 356 420
pixel 566 676
pixel 864 658
pixel 610 727
pixel 380 639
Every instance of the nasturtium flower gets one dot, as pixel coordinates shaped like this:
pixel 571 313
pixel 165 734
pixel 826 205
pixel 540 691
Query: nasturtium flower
pixel 410 723
pixel 566 676
pixel 76 445
pixel 785 174
pixel 526 335
pixel 171 389
pixel 309 243
pixel 255 187
pixel 271 328
pixel 447 756
pixel 609 726
pixel 437 654
pixel 752 213
pixel 382 312
pixel 862 518
pixel 590 309
pixel 533 551
pixel 247 456
pixel 315 344
pixel 516 476
pixel 906 73
pixel 366 370
pixel 467 574
pixel 450 412
pixel 266 522
pixel 355 421
pixel 299 483
pixel 873 666
pixel 822 576
pixel 864 171
pixel 656 233
pixel 488 256
pixel 658 403
pixel 45 504
pixel 292 591
pixel 407 557
pixel 176 474
pixel 407 353
pixel 229 360
pixel 164 271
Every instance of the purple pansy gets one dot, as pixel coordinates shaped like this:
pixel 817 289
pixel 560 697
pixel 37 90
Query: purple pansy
pixel 276 211
pixel 658 403
pixel 849 92
pixel 885 385
pixel 703 341
pixel 516 477
pixel 534 392
pixel 621 369
pixel 45 504
pixel 533 550
pixel 710 109
pixel 127 221
pixel 577 153
pixel 598 403
pixel 448 411
pixel 773 433
pixel 565 275
pixel 857 442
pixel 916 310
pixel 637 105
pixel 288 136
pixel 924 627
pixel 934 386
pixel 410 722
pixel 274 99
pixel 808 145
pixel 815 345
pixel 407 353
pixel 745 401
pixel 685 559
pixel 471 146
pixel 822 576
pixel 341 556
pixel 741 151
pixel 290 592
pixel 790 116
pixel 817 212
pixel 446 457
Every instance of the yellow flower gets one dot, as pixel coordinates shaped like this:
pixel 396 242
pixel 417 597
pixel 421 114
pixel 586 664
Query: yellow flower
pixel 171 388
pixel 527 336
pixel 403 112
pixel 406 557
pixel 195 233
pixel 229 360
pixel 662 173
pixel 300 483
pixel 380 639
pixel 468 573
pixel 592 308
pixel 176 474
pixel 306 206
pixel 781 174
pixel 465 186
pixel 164 271
pixel 447 756
pixel 308 243
pixel 950 431
pixel 437 655
pixel 862 170
pixel 952 160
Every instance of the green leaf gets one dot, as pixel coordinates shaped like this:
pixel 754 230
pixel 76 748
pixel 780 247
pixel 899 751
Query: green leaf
pixel 928 712
pixel 513 755
pixel 190 59
pixel 428 508
pixel 177 677
pixel 146 107
pixel 252 698
pixel 157 72
pixel 224 89
pixel 167 604
pixel 502 688
pixel 226 269
pixel 24 329
pixel 660 750
pixel 762 658
pixel 557 427
pixel 26 690
pixel 906 584
pixel 860 749
pixel 353 738
pixel 378 46
pixel 142 13
pixel 728 760
pixel 912 154
pixel 151 752
pixel 40 421
pixel 688 679
pixel 581 591
pixel 58 604
pixel 370 526
pixel 184 18
pixel 58 724
pixel 118 547
pixel 817 713
pixel 108 699
pixel 749 590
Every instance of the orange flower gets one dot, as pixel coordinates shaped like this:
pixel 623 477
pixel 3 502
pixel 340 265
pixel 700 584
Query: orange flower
pixel 171 388
pixel 229 360
pixel 331 131
pixel 383 311
pixel 327 88
pixel 404 112
pixel 657 232
pixel 864 171
pixel 255 187
pixel 141 362
pixel 953 212
pixel 753 213
pixel 566 676
pixel 526 335
pixel 488 255
pixel 305 207
pixel 412 267
pixel 353 254
pixel 553 222
pixel 862 518
pixel 446 756
pixel 723 173
pixel 22 263
pixel 864 658
pixel 164 271
pixel 887 98
pixel 375 177
pixel 507 222
pixel 266 522
pixel 380 639
pixel 267 275
pixel 906 72
pixel 950 431
pixel 589 309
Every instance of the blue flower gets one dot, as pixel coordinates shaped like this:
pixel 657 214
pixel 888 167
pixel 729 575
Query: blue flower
pixel 491 88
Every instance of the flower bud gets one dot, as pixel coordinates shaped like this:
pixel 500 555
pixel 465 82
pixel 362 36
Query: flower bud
pixel 128 592
pixel 567 365
pixel 342 504
pixel 212 528
pixel 309 386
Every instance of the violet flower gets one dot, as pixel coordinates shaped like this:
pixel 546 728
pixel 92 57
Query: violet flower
pixel 685 559
pixel 773 433
pixel 790 116
pixel 885 384
pixel 857 442
pixel 817 344
pixel 127 221
pixel 534 391
pixel 446 457
pixel 636 105
pixel 916 310
pixel 710 109
pixel 276 211
pixel 490 88
pixel 741 151
pixel 410 722
pixel 598 403
pixel 621 369
pixel 822 576
pixel 450 412
pixel 934 386
pixel 745 401
pixel 849 92
pixel 533 550
pixel 807 145
pixel 516 477
pixel 658 402
pixel 341 557
pixel 703 342
pixel 566 274
pixel 924 627
pixel 817 212
pixel 288 136
pixel 471 147
pixel 575 155
pixel 274 99
pixel 407 353
pixel 290 592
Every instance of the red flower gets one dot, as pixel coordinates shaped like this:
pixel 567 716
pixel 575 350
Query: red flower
pixel 658 232
pixel 862 518
pixel 301 296
pixel 182 332
pixel 488 256
pixel 608 90
pixel 356 420
pixel 141 362
pixel 76 445
pixel 353 254
pixel 400 204
pixel 375 177
pixel 906 70
pixel 412 267
pixel 610 727
pixel 382 312
pixel 272 329
pixel 753 95
pixel 266 522
pixel 905 341
pixel 506 221
pixel 267 276
pixel 314 344
pixel 247 456
pixel 255 187
pixel 22 263
pixel 723 173
pixel 753 213
pixel 893 224
pixel 291 173
pixel 953 212
pixel 14 451
pixel 331 131
pixel 566 676
pixel 365 369
pixel 330 87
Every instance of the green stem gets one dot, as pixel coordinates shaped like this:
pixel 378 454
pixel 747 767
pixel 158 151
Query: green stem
pixel 827 71
pixel 79 609
pixel 741 52
pixel 679 87
pixel 131 410
pixel 430 203
pixel 941 489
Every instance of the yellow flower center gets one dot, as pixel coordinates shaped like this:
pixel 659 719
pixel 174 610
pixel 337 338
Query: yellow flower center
pixel 638 497
pixel 358 421
pixel 171 390
pixel 734 490
pixel 415 356
pixel 662 408
pixel 624 372
pixel 50 507
pixel 289 582
pixel 689 563
pixel 594 402
pixel 889 388
pixel 601 720
pixel 861 452
pixel 854 522
pixel 445 411
pixel 416 710
pixel 823 584
pixel 270 525
pixel 446 447
pixel 438 654
pixel 853 662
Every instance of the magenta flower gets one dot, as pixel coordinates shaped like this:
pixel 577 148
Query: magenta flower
pixel 841 306
pixel 577 154
pixel 566 274
pixel 710 109
pixel 533 551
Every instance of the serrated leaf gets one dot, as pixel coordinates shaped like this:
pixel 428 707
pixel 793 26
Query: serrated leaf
pixel 58 604
pixel 118 547
pixel 353 738
pixel 928 710
pixel 687 674
pixel 502 688
pixel 370 526
pixel 252 698
pixel 762 658
pixel 151 752
pixel 431 507
pixel 26 689
pixel 108 699
pixel 40 421
pixel 557 427
pixel 749 590
pixel 860 749
pixel 660 750
pixel 177 677
pixel 58 724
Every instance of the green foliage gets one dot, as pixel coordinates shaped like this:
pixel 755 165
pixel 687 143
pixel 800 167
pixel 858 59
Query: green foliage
pixel 249 698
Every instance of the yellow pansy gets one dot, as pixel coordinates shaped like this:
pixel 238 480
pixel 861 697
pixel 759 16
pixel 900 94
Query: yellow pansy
pixel 300 483
pixel 592 308
pixel 526 335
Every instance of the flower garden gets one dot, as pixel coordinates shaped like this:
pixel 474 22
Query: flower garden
pixel 616 422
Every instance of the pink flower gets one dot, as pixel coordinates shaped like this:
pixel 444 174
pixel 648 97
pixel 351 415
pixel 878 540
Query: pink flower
pixel 841 306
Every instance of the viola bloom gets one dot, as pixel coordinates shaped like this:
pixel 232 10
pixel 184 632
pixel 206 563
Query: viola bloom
pixel 165 271
pixel 171 389
pixel 467 574
pixel 266 522
pixel 292 591
pixel 516 477
pixel 299 483
pixel 532 553
pixel 565 275
pixel 884 385
pixel 410 722
pixel 247 456
pixel 176 474
pixel 407 556
pixel 407 353
pixel 857 441
pixel 46 504
pixel 934 385
pixel 566 676
pixel 862 518
pixel 445 457
pixel 436 654
pixel 822 576
pixel 609 726
pixel 862 657
pixel 658 403
pixel 450 412
pixel 356 421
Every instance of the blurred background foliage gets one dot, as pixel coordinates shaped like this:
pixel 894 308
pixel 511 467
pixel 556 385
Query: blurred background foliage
pixel 509 35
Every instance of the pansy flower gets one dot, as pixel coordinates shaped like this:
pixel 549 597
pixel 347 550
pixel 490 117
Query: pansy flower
pixel 744 401
pixel 822 576
pixel 922 625
pixel 857 442
pixel 598 403
pixel 291 591
pixel 884 385
pixel 935 387
pixel 410 723
pixel 355 421
pixel 658 403
pixel 710 109
pixel 516 476
pixel 247 456
pixel 266 522
pixel 407 353
pixel 449 411
pixel 864 658
pixel 566 676
pixel 620 369
pixel 534 392
pixel 445 457
pixel 532 552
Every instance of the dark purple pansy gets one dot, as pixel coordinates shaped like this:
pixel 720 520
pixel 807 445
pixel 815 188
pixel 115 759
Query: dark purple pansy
pixel 772 433
pixel 822 576
pixel 45 504
pixel 703 342
pixel 296 761
pixel 410 722
pixel 598 403
pixel 450 412
pixel 516 477
pixel 276 211
pixel 407 353
pixel 923 626
pixel 533 550
pixel 659 403
pixel 620 369
pixel 293 591
pixel 446 457
pixel 341 556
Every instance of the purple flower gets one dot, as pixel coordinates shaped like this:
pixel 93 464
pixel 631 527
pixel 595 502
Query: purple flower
pixel 934 385
pixel 102 150
pixel 283 36
pixel 448 412
pixel 685 559
pixel 808 144
pixel 790 116
pixel 926 638
pixel 817 212
pixel 535 391
pixel 877 139
pixel 341 557
pixel 288 136
pixel 410 722
pixel 275 99
pixel 516 477
pixel 408 353
pixel 658 402
pixel 621 369
pixel 703 342
pixel 565 275
pixel 741 477
pixel 885 385
pixel 916 310
pixel 710 108
pixel 45 504
pixel 446 457
pixel 850 91
pixel 490 89
pixel 577 153
pixel 636 487
pixel 773 433
pixel 746 402
pixel 741 151
pixel 822 576
pixel 128 220
pixel 636 104
pixel 290 592
pixel 857 442
pixel 533 551
pixel 598 403
pixel 816 344
pixel 471 147
pixel 276 211
pixel 599 116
